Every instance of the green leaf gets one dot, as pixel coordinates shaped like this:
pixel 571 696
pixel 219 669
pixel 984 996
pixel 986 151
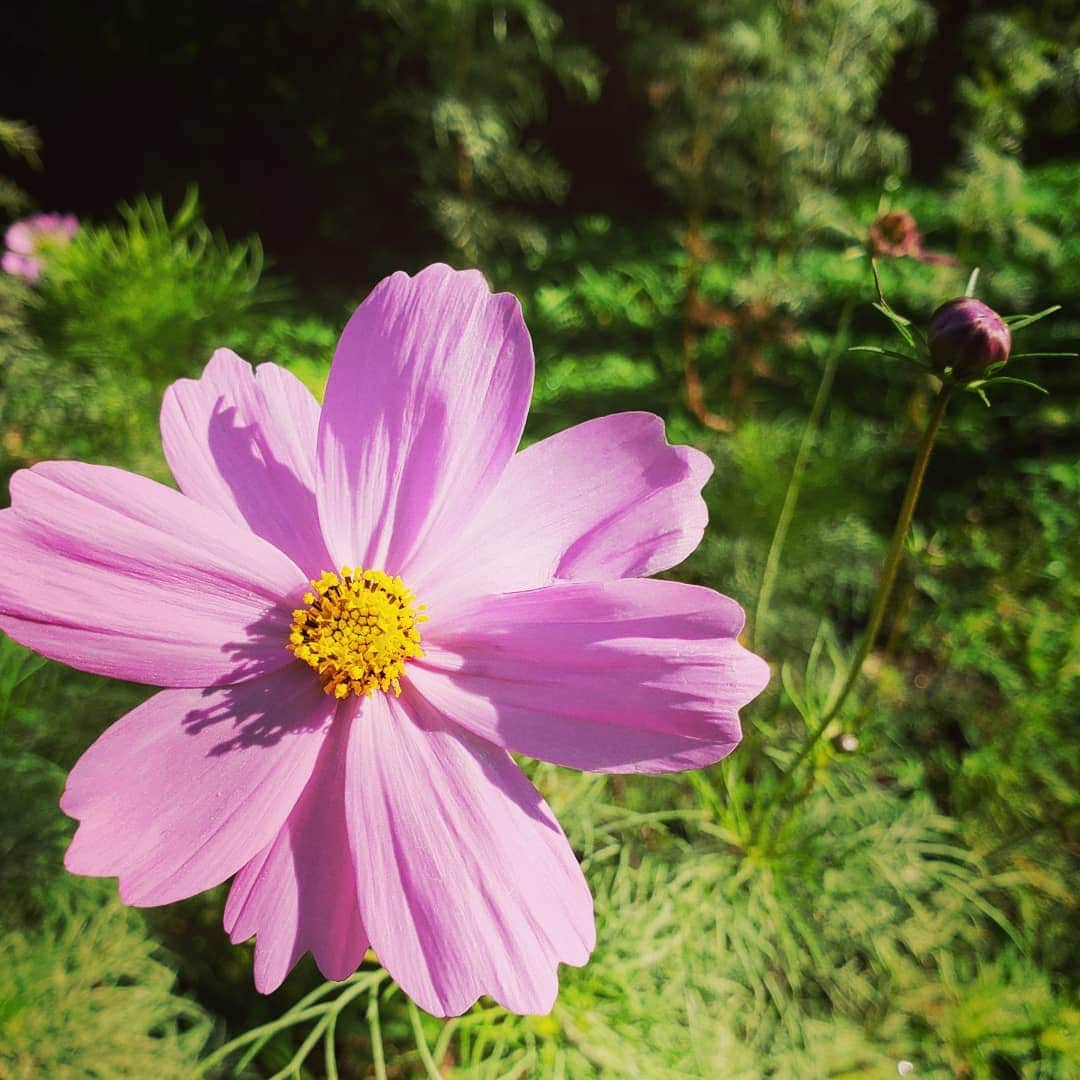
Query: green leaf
pixel 899 322
pixel 1018 322
pixel 1018 382
pixel 1042 356
pixel 891 353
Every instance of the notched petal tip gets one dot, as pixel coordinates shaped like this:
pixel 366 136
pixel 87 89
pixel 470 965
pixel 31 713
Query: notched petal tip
pixel 424 406
pixel 471 887
pixel 635 675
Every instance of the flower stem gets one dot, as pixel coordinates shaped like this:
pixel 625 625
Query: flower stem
pixel 791 496
pixel 378 1053
pixel 896 548
pixel 881 601
pixel 431 1070
pixel 305 1009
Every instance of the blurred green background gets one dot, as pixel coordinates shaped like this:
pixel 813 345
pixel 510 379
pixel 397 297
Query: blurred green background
pixel 684 197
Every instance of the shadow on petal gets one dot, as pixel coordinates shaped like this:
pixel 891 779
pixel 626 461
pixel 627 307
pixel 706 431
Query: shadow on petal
pixel 260 712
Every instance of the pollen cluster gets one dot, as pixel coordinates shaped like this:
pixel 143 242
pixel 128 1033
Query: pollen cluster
pixel 357 631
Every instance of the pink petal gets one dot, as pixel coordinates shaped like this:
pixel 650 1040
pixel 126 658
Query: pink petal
pixel 20 237
pixel 113 573
pixel 425 405
pixel 179 794
pixel 636 675
pixel 244 445
pixel 605 499
pixel 467 884
pixel 24 266
pixel 300 892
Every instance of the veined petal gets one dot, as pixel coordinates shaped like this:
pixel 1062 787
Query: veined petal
pixel 467 884
pixel 243 444
pixel 425 406
pixel 181 792
pixel 635 675
pixel 116 574
pixel 606 499
pixel 300 892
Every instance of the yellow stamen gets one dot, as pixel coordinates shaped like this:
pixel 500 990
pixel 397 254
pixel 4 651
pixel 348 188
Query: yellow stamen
pixel 357 631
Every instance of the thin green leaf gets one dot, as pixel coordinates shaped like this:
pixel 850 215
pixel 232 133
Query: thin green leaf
pixel 1045 356
pixel 330 1049
pixel 1018 322
pixel 1018 382
pixel 796 699
pixel 378 1053
pixel 899 323
pixel 893 353
pixel 430 1068
pixel 305 1048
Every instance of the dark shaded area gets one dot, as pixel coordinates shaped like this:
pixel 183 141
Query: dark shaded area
pixel 600 145
pixel 279 115
pixel 921 101
pixel 272 112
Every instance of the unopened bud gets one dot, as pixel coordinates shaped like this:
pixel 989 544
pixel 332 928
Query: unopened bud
pixel 968 336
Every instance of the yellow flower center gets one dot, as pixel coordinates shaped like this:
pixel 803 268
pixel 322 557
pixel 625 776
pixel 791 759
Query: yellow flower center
pixel 357 631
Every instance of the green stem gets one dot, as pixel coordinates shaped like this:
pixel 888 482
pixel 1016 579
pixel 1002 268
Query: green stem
pixel 305 1009
pixel 430 1068
pixel 881 601
pixel 896 548
pixel 791 496
pixel 378 1053
pixel 330 1048
pixel 254 1034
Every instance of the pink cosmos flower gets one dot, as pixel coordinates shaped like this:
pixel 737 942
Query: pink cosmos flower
pixel 29 240
pixel 334 743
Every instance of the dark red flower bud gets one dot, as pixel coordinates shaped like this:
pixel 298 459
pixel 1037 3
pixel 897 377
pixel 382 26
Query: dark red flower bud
pixel 968 336
pixel 895 233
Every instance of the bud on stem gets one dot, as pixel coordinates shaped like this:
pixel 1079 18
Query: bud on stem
pixel 967 336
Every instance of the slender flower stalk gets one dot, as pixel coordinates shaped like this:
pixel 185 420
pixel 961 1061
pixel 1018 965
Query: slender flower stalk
pixel 896 549
pixel 791 496
pixel 307 1008
pixel 967 345
pixel 880 604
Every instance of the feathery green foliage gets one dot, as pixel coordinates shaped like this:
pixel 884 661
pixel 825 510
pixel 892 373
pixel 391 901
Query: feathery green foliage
pixel 763 110
pixel 1018 58
pixel 764 113
pixel 85 995
pixel 21 141
pixel 84 991
pixel 151 296
pixel 119 312
pixel 469 118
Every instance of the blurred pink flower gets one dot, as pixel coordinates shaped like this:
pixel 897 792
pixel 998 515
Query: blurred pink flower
pixel 895 234
pixel 28 242
pixel 339 747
